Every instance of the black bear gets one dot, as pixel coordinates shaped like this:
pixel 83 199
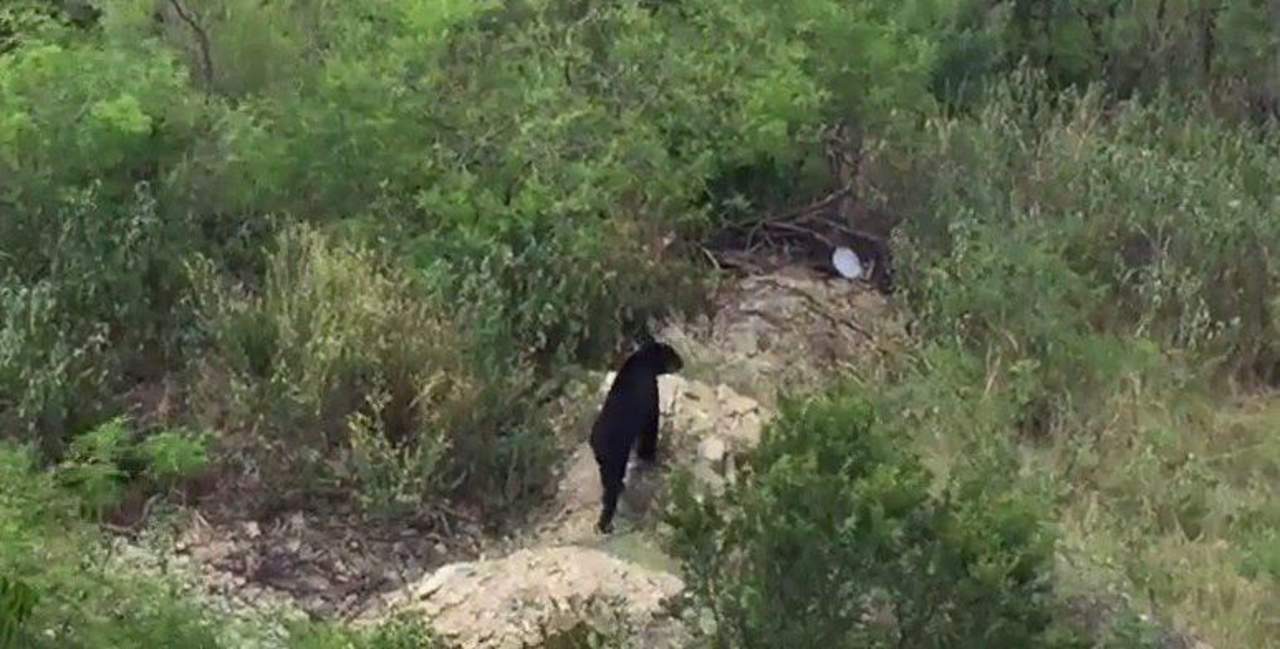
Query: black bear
pixel 629 419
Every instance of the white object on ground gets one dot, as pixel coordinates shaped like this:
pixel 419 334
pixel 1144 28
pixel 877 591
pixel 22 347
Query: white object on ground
pixel 847 262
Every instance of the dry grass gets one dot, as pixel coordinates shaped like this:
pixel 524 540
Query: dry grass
pixel 1181 511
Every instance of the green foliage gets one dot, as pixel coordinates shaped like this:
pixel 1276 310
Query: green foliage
pixel 1149 225
pixel 92 468
pixel 172 456
pixel 531 174
pixel 90 246
pixel 835 524
pixel 1085 273
pixel 520 141
pixel 100 464
pixel 532 159
pixel 1225 47
pixel 79 111
pixel 37 20
pixel 16 603
pixel 344 353
pixel 84 600
pixel 1263 557
pixel 397 633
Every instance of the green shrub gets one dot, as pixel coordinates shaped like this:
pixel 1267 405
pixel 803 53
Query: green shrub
pixel 172 456
pixel 27 20
pixel 103 464
pixel 561 296
pixel 93 469
pixel 79 110
pixel 84 599
pixel 343 367
pixel 834 538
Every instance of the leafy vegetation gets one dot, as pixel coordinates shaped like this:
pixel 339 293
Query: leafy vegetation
pixel 80 597
pixel 835 523
pixel 1139 232
pixel 366 243
pixel 61 586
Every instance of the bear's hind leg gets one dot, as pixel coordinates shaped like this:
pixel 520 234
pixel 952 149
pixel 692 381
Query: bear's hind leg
pixel 611 479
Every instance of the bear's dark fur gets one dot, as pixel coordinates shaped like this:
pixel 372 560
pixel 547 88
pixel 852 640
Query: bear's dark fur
pixel 629 419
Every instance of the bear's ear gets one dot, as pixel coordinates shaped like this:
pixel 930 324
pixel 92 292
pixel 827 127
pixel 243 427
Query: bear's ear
pixel 673 362
pixel 644 337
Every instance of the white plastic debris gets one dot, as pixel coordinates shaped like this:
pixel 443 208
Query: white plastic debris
pixel 847 263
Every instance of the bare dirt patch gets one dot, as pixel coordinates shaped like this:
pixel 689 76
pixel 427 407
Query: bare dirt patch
pixel 329 564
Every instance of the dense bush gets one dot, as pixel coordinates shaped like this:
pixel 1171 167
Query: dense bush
pixel 1148 223
pixel 835 538
pixel 345 368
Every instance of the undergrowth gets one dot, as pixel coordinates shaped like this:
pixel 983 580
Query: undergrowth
pixel 62 585
pixel 1095 283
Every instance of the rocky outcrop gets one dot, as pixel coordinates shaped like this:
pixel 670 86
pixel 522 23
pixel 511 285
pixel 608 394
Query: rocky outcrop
pixel 534 597
pixel 790 330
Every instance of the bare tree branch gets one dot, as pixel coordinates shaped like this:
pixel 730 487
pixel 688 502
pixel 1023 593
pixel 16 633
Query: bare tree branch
pixel 202 42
